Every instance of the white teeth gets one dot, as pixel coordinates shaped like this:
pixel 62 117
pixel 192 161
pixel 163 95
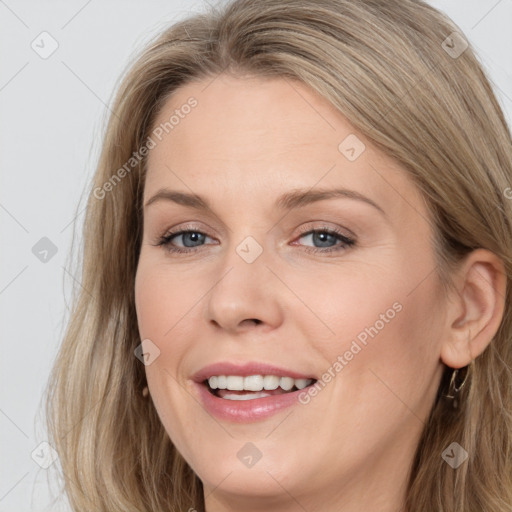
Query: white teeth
pixel 271 382
pixel 302 383
pixel 256 382
pixel 253 383
pixel 287 383
pixel 222 382
pixel 252 396
pixel 235 383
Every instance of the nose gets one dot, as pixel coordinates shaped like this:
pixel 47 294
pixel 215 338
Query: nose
pixel 248 294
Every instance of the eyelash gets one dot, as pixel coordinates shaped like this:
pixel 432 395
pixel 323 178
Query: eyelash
pixel 347 242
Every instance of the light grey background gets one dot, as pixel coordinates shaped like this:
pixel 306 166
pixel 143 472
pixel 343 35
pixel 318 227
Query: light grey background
pixel 52 112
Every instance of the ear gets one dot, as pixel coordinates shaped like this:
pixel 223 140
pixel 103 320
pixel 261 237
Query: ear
pixel 475 310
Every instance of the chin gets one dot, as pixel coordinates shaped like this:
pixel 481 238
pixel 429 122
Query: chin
pixel 246 484
pixel 238 470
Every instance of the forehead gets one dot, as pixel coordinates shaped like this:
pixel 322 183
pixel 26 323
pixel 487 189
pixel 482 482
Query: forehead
pixel 256 138
pixel 234 116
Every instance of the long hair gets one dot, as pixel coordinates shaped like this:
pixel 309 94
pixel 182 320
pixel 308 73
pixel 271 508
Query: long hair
pixel 400 75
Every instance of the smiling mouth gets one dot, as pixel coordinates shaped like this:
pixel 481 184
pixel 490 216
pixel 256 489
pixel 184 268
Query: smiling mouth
pixel 254 386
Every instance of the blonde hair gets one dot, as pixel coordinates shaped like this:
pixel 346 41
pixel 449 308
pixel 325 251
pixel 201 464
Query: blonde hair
pixel 387 68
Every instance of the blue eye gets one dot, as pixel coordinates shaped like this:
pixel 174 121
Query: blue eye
pixel 186 236
pixel 320 236
pixel 325 235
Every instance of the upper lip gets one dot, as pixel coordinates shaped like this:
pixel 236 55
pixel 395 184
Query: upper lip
pixel 246 369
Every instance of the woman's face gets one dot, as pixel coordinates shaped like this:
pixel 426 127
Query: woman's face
pixel 355 305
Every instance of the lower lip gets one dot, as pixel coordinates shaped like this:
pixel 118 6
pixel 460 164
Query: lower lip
pixel 245 411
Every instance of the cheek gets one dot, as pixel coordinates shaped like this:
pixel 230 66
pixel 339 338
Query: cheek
pixel 155 300
pixel 397 366
pixel 378 320
pixel 158 312
pixel 347 304
pixel 159 309
pixel 164 306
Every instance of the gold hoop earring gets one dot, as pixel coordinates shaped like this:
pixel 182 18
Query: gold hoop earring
pixel 454 389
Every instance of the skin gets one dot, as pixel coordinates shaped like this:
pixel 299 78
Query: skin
pixel 350 448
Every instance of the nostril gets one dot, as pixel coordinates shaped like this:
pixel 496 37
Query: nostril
pixel 251 320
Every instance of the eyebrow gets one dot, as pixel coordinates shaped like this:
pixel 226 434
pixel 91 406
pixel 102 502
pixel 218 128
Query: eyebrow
pixel 290 200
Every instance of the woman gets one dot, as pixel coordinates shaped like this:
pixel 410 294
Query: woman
pixel 296 275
